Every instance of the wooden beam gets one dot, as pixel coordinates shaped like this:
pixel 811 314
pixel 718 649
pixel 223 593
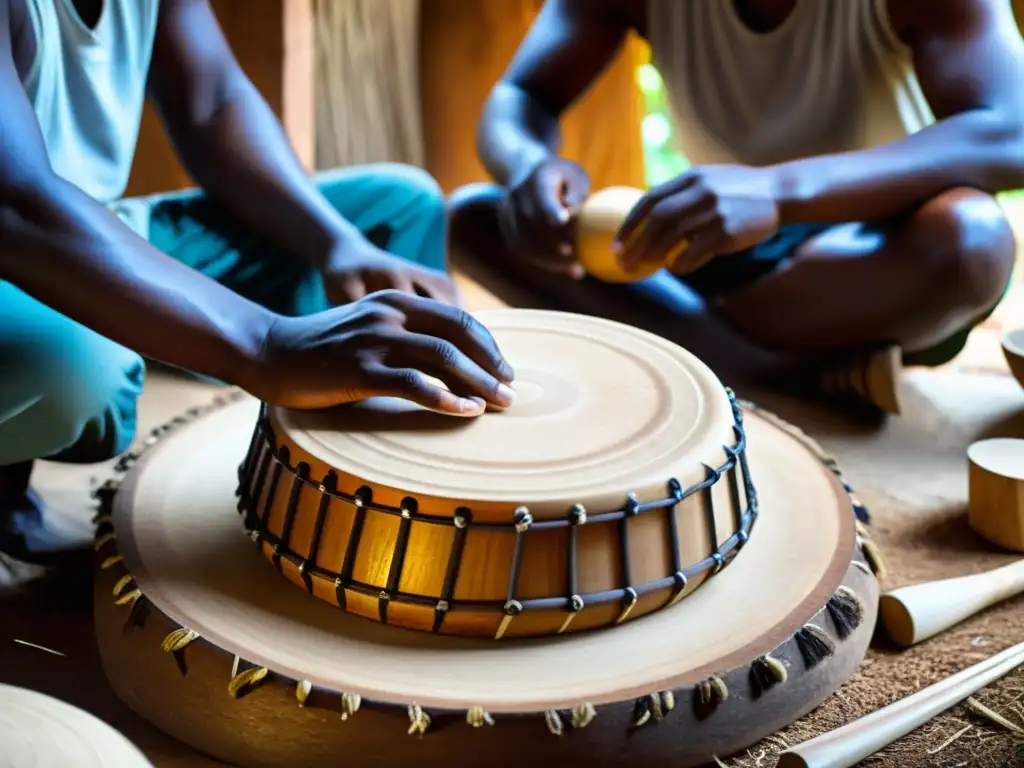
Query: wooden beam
pixel 465 47
pixel 273 42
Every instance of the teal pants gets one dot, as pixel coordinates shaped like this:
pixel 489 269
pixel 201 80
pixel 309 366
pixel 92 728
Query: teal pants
pixel 69 394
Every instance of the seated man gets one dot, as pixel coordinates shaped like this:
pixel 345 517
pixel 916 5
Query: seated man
pixel 845 157
pixel 236 283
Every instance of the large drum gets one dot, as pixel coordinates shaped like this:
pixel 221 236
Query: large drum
pixel 712 552
pixel 615 486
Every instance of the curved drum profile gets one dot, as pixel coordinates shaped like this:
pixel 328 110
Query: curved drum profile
pixel 201 636
pixel 465 529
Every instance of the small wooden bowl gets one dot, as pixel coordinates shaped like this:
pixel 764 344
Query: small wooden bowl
pixel 1013 349
pixel 995 507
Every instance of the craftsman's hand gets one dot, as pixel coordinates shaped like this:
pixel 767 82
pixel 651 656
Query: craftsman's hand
pixel 716 209
pixel 537 216
pixel 386 344
pixel 358 268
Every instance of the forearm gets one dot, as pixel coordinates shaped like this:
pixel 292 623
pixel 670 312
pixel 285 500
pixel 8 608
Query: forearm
pixel 978 149
pixel 240 155
pixel 515 134
pixel 72 254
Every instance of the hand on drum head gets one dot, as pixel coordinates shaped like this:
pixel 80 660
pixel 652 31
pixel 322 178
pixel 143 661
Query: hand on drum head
pixel 536 218
pixel 389 344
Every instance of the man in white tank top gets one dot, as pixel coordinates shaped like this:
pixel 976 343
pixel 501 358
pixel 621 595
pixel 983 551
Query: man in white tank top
pixel 235 281
pixel 845 156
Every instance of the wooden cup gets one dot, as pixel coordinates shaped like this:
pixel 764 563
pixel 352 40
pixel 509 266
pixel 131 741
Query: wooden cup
pixel 996 491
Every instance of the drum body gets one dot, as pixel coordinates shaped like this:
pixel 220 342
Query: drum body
pixel 616 489
pixel 199 635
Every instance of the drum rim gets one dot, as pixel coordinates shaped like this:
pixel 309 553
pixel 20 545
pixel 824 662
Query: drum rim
pixel 844 558
pixel 107 742
pixel 290 425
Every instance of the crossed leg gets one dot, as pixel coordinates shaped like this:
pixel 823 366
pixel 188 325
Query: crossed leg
pixel 921 281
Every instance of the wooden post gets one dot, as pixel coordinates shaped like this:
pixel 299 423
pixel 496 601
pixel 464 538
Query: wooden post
pixel 466 46
pixel 273 42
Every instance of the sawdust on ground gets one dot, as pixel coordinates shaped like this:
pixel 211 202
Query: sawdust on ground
pixel 920 545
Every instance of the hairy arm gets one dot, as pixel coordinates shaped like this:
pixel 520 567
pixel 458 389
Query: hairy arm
pixel 568 46
pixel 969 59
pixel 68 251
pixel 229 139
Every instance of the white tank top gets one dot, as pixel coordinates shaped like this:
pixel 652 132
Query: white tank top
pixel 88 86
pixel 832 78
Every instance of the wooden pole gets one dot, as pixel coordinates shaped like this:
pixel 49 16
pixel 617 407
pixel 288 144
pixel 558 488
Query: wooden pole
pixel 466 46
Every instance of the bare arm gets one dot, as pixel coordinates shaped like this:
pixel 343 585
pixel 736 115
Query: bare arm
pixel 67 250
pixel 969 59
pixel 568 46
pixel 229 139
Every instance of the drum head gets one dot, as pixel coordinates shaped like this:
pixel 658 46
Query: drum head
pixel 37 730
pixel 601 408
pixel 183 542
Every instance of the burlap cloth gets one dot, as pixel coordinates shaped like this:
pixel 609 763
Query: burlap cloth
pixel 920 524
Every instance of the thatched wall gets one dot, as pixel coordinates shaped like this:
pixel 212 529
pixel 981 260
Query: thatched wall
pixel 359 81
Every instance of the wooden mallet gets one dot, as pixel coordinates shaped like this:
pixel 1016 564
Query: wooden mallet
pixel 916 613
pixel 596 225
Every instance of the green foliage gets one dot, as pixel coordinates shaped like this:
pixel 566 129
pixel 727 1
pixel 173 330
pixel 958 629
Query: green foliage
pixel 662 160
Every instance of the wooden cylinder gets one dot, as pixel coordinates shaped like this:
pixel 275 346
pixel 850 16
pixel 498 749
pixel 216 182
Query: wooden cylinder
pixel 466 46
pixel 996 491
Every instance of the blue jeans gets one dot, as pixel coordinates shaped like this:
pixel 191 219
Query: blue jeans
pixel 69 394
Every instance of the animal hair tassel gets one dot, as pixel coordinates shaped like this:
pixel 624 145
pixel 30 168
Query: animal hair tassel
pixel 419 721
pixel 873 555
pixel 245 682
pixel 554 722
pixel 768 672
pixel 178 640
pixel 712 690
pixel 111 561
pixel 350 703
pixel 302 690
pixel 814 644
pixel 846 610
pixel 583 715
pixel 122 585
pixel 478 717
pixel 652 707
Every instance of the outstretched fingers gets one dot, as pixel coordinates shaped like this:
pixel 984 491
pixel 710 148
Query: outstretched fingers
pixel 461 329
pixel 413 385
pixel 445 362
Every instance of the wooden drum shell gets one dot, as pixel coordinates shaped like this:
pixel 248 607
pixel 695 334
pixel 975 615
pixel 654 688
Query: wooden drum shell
pixel 432 565
pixel 231 669
pixel 185 694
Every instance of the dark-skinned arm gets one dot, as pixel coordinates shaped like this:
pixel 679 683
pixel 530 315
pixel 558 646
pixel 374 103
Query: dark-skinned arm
pixel 969 59
pixel 568 46
pixel 67 250
pixel 229 139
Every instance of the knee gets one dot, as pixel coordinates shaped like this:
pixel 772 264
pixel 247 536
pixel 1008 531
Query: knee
pixel 84 411
pixel 475 198
pixel 473 215
pixel 966 240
